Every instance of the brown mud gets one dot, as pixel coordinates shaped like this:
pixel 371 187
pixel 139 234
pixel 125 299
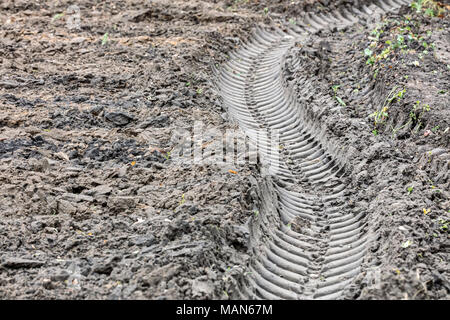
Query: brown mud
pixel 399 167
pixel 92 205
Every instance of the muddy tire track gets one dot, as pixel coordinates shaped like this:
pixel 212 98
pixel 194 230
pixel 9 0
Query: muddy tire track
pixel 316 248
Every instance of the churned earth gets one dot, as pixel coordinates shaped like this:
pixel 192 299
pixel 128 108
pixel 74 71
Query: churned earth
pixel 95 98
pixel 389 86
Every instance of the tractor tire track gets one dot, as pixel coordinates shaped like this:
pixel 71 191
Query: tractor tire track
pixel 317 248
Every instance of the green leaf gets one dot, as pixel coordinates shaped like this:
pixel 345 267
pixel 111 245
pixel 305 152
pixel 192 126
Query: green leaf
pixel 58 16
pixel 429 12
pixel 368 52
pixel 105 39
pixel 340 101
pixel 406 244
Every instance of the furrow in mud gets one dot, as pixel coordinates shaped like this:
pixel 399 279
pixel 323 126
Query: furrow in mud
pixel 316 248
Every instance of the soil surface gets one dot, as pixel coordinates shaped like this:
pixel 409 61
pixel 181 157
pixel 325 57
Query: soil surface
pixel 398 163
pixel 95 97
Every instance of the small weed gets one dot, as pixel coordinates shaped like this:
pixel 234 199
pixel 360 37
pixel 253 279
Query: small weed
pixel 417 5
pixel 410 190
pixel 183 200
pixel 58 16
pixel 371 60
pixel 340 101
pixel 443 224
pixel 421 108
pixel 375 73
pixel 415 119
pixel 406 244
pixel 430 8
pixel 105 39
pixel 381 115
pixel 368 52
pixel 429 12
pixel 335 88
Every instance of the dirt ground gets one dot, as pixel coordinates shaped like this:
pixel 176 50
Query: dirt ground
pixel 399 166
pixel 93 205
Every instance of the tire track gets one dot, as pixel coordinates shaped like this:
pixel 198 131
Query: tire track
pixel 318 246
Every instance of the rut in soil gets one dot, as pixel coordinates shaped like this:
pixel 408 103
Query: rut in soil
pixel 317 247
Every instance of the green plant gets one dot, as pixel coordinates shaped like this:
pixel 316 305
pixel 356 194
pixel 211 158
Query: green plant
pixel 105 39
pixel 381 115
pixel 58 16
pixel 377 32
pixel 443 224
pixel 335 88
pixel 421 109
pixel 400 41
pixel 430 8
pixel 417 5
pixel 368 52
pixel 371 60
pixel 410 190
pixel 415 116
pixel 183 200
pixel 406 244
pixel 429 12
